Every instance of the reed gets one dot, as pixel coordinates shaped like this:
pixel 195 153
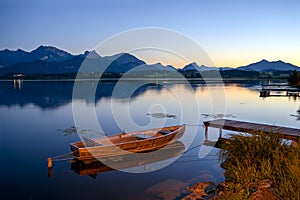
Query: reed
pixel 251 159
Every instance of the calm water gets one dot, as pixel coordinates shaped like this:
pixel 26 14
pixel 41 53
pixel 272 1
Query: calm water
pixel 34 114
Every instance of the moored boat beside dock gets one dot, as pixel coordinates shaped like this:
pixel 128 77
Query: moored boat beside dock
pixel 124 143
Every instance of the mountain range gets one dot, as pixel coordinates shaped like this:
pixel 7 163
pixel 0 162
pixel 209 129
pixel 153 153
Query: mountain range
pixel 265 65
pixel 51 60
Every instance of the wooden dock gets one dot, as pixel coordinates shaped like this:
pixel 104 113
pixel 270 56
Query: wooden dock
pixel 275 84
pixel 267 90
pixel 249 127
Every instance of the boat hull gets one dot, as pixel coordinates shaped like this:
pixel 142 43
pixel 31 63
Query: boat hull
pixel 108 148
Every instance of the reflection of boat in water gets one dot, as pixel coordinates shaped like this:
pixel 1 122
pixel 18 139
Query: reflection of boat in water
pixel 141 141
pixel 92 167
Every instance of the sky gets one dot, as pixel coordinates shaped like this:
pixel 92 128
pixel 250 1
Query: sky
pixel 232 32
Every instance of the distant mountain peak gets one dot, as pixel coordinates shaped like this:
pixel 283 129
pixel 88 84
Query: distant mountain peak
pixel 91 54
pixel 194 66
pixel 125 58
pixel 267 66
pixel 41 47
pixel 48 54
pixel 156 67
pixel 50 48
pixel 45 53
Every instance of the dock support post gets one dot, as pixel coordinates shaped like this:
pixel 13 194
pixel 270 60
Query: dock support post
pixel 206 132
pixel 220 133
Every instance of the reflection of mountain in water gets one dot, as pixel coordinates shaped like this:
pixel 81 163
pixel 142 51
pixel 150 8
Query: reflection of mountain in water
pixel 43 94
pixel 52 94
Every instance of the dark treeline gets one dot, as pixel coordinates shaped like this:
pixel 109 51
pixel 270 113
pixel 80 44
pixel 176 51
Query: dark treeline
pixel 293 77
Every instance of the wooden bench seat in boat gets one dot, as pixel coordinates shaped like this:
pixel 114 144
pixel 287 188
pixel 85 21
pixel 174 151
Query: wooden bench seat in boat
pixel 141 136
pixel 90 142
pixel 164 132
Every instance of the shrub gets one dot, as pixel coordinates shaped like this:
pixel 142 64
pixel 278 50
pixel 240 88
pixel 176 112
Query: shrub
pixel 294 78
pixel 250 159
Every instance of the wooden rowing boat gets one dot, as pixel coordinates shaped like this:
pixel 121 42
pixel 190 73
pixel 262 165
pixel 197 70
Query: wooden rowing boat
pixel 124 143
pixel 93 167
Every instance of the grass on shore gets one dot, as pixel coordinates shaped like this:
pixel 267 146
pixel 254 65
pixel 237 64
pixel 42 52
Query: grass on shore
pixel 251 159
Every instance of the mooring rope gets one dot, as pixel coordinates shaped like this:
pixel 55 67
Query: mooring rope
pixel 191 148
pixel 195 125
pixel 61 157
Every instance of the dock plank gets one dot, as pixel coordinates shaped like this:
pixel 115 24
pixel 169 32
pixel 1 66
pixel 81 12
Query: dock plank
pixel 250 127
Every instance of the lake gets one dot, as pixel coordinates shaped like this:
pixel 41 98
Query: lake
pixel 38 119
